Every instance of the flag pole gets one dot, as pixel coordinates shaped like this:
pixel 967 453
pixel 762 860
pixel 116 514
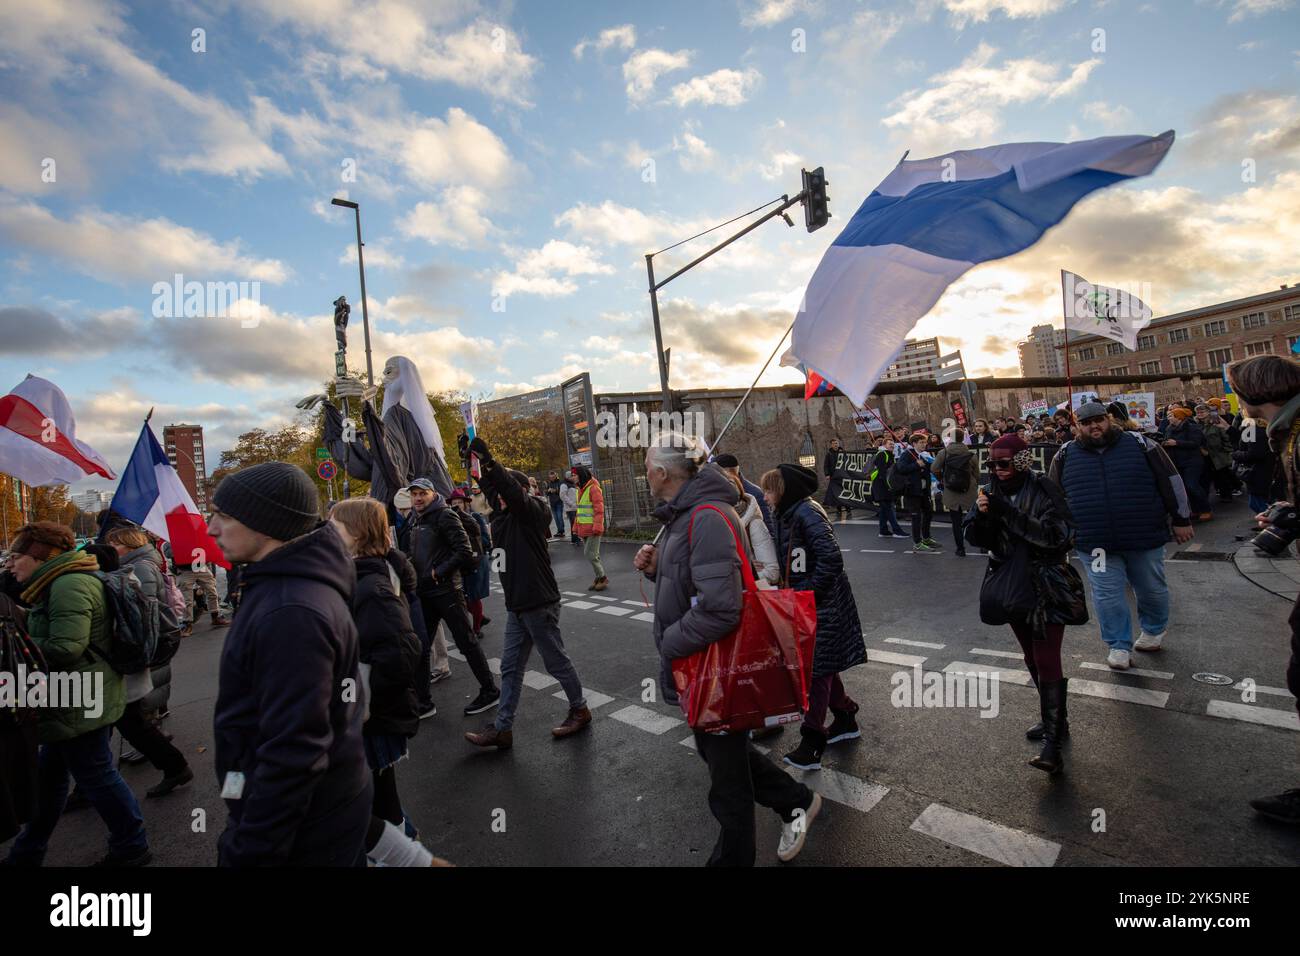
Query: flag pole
pixel 1065 321
pixel 745 397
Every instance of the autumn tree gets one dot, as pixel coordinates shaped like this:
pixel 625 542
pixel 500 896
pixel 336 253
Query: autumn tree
pixel 531 444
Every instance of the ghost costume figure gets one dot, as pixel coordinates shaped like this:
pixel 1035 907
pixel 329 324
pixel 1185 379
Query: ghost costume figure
pixel 403 446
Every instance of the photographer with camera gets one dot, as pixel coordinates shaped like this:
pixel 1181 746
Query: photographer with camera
pixel 1268 387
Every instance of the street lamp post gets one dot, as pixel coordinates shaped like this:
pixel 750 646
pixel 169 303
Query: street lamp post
pixel 361 264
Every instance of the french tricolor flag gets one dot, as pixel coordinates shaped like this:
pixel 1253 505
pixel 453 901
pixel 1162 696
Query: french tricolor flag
pixel 150 493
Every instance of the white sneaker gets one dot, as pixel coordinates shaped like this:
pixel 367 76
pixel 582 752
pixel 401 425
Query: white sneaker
pixel 1149 642
pixel 1117 659
pixel 795 832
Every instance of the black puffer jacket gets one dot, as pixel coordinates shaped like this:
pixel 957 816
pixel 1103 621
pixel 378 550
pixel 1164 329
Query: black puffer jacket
pixel 1265 470
pixel 1037 526
pixel 917 472
pixel 388 643
pixel 281 718
pixel 520 531
pixel 438 544
pixel 802 524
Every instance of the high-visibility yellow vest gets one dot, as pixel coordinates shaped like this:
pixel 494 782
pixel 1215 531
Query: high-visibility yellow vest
pixel 586 513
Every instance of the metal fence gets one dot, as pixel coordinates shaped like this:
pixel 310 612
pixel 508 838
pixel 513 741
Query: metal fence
pixel 628 504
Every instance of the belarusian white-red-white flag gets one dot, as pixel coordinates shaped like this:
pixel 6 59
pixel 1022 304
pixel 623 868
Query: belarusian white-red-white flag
pixel 38 437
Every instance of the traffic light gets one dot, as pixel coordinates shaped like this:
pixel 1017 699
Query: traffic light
pixel 815 201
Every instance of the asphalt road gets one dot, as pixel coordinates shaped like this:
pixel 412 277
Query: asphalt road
pixel 1155 778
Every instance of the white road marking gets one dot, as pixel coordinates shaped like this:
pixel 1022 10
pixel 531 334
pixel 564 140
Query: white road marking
pixel 615 611
pixel 594 698
pixel 874 551
pixel 1005 675
pixel 1138 671
pixel 1262 689
pixel 581 605
pixel 846 550
pixel 494 665
pixel 1006 654
pixel 889 657
pixel 452 652
pixel 645 719
pixel 538 681
pixel 639 603
pixel 690 742
pixel 573 593
pixel 643 616
pixel 601 597
pixel 841 787
pixel 990 840
pixel 1130 695
pixel 900 640
pixel 1288 720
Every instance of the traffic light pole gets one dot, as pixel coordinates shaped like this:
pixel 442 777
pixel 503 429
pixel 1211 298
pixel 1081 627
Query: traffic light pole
pixel 786 202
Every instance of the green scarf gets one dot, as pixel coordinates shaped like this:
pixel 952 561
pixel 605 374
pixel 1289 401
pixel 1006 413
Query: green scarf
pixel 66 563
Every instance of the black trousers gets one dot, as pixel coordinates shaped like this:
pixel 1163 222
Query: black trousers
pixel 741 777
pixel 958 527
pixel 143 734
pixel 922 508
pixel 448 605
pixel 1293 665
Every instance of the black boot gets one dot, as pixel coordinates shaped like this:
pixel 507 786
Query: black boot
pixel 1036 732
pixel 844 726
pixel 808 755
pixel 1051 697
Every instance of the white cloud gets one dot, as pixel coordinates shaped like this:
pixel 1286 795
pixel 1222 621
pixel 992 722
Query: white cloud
pixel 623 37
pixel 719 88
pixel 1256 124
pixel 548 271
pixel 27 141
pixel 378 256
pixel 963 105
pixel 964 11
pixel 693 153
pixel 457 219
pixel 780 163
pixel 1255 8
pixel 1112 117
pixel 118 248
pixel 458 149
pixel 614 224
pixel 766 13
pixel 644 68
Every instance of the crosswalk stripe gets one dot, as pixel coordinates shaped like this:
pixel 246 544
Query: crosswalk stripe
pixel 841 787
pixel 538 681
pixel 874 551
pixel 990 840
pixel 690 743
pixel 581 605
pixel 1136 671
pixel 1232 710
pixel 645 719
pixel 1006 675
pixel 639 603
pixel 594 698
pixel 452 652
pixel 643 616
pixel 900 640
pixel 615 611
pixel 601 597
pixel 1262 689
pixel 1006 654
pixel 574 593
pixel 1130 695
pixel 890 657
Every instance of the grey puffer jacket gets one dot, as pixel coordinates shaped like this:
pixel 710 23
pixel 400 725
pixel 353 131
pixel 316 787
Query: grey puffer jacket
pixel 702 565
pixel 154 684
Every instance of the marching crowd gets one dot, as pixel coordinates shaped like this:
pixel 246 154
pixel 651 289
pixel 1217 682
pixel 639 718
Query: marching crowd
pixel 337 641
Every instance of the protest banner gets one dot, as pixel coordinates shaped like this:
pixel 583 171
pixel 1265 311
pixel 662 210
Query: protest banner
pixel 1078 398
pixel 1042 453
pixel 1141 408
pixel 1037 407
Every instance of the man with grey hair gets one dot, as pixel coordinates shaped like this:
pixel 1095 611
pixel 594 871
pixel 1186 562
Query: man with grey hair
pixel 695 567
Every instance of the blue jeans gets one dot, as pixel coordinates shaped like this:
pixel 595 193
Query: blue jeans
pixel 1145 572
pixel 557 512
pixel 539 626
pixel 89 760
pixel 888 519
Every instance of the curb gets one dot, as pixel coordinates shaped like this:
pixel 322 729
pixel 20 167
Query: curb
pixel 1280 576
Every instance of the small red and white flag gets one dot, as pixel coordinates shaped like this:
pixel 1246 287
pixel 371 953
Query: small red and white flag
pixel 38 437
pixel 151 494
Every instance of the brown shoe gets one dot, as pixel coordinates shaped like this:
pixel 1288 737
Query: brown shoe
pixel 594 585
pixel 578 718
pixel 219 621
pixel 601 584
pixel 491 737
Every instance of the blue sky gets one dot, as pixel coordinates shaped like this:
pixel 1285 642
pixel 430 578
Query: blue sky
pixel 515 162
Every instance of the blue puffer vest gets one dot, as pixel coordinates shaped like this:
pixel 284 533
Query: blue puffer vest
pixel 1113 496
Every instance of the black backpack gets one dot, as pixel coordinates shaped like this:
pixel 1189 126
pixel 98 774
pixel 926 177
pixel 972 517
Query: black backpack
pixel 956 476
pixel 894 480
pixel 134 622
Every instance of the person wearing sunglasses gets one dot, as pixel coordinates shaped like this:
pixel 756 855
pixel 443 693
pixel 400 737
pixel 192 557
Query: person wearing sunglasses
pixel 1024 522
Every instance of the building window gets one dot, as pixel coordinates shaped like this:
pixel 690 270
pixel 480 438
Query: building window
pixel 1114 348
pixel 1086 355
pixel 1218 357
pixel 1184 363
pixel 1291 313
pixel 1179 335
pixel 1119 370
pixel 1146 342
pixel 1254 320
pixel 1259 348
pixel 1149 368
pixel 1217 327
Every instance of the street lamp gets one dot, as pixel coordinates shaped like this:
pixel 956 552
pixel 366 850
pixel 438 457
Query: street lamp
pixel 365 314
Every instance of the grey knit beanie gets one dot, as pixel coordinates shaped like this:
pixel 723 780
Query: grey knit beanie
pixel 276 499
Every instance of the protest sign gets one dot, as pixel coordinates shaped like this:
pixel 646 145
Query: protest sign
pixel 1141 408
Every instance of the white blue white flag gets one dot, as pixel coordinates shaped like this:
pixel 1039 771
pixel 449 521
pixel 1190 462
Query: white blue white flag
pixel 930 221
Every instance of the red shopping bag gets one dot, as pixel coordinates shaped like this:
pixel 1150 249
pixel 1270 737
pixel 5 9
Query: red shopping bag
pixel 758 676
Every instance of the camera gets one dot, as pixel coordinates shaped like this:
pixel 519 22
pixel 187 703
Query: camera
pixel 1283 528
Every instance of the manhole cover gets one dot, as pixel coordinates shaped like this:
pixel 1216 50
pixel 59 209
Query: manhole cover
pixel 1201 556
pixel 1205 677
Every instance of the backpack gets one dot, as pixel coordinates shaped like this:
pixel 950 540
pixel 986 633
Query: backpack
pixel 956 476
pixel 133 622
pixel 175 599
pixel 475 540
pixel 894 480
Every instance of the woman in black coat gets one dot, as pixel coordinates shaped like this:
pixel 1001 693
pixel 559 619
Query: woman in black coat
pixel 1262 464
pixel 1025 524
pixel 389 651
pixel 810 557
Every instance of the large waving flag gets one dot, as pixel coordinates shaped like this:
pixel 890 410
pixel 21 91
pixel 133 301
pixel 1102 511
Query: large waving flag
pixel 38 437
pixel 151 494
pixel 930 221
pixel 1103 310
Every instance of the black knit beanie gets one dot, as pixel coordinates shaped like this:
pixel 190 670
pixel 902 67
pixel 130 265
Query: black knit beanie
pixel 276 499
